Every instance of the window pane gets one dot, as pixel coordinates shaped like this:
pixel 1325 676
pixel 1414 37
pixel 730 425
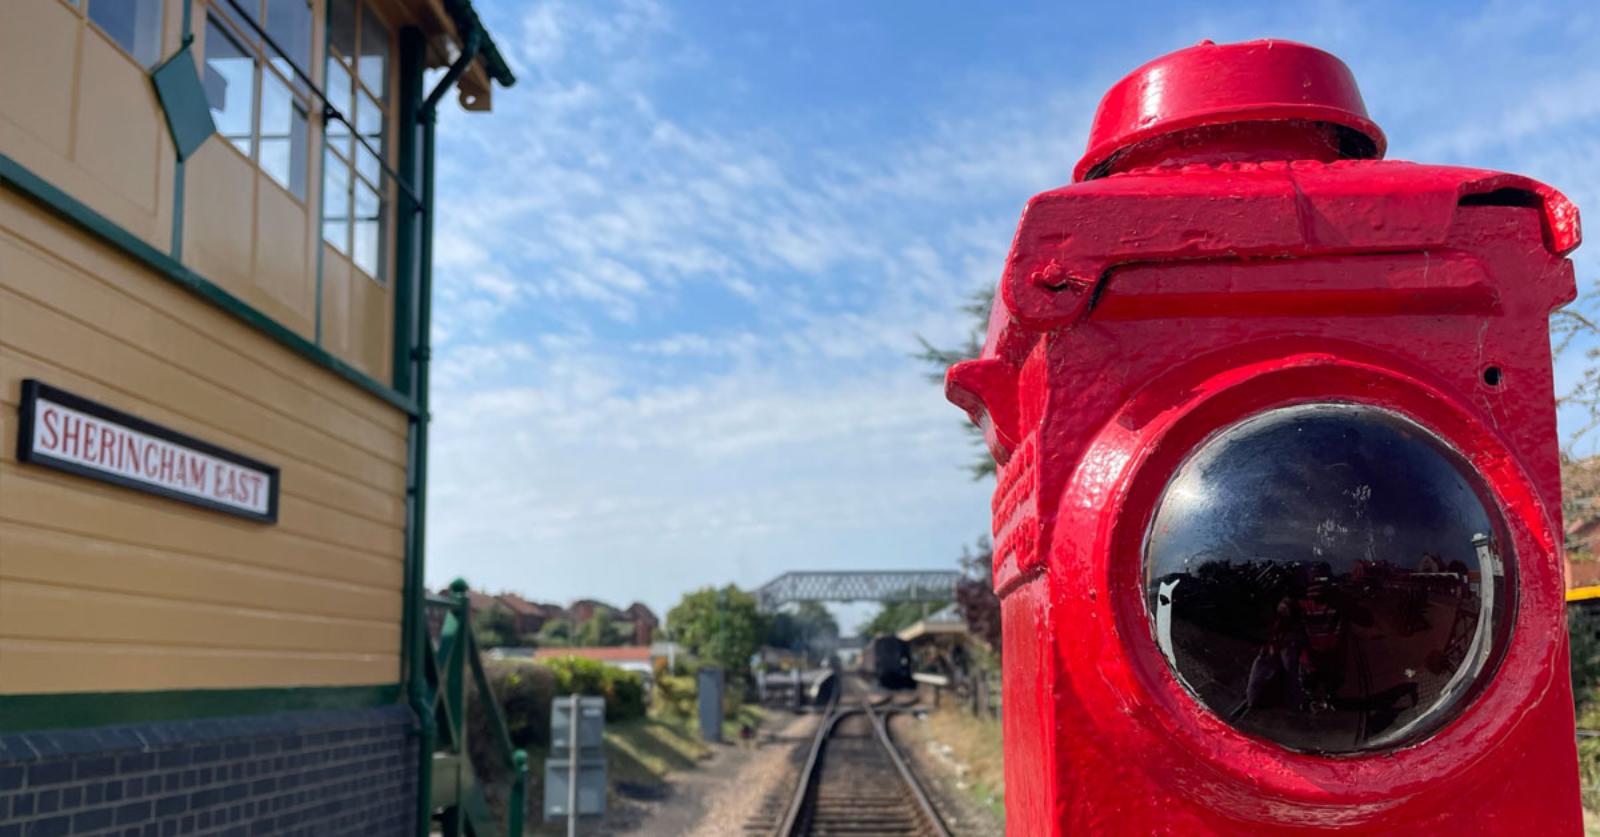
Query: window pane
pixel 336 201
pixel 283 135
pixel 230 84
pixel 368 230
pixel 369 120
pixel 367 165
pixel 342 27
pixel 135 24
pixel 374 59
pixel 338 92
pixel 241 26
pixel 289 24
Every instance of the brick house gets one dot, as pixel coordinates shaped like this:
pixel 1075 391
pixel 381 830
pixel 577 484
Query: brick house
pixel 530 616
pixel 644 622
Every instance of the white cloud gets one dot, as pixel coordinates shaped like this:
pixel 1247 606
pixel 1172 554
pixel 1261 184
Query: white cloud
pixel 675 350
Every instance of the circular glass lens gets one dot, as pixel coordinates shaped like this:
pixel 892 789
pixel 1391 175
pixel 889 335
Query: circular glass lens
pixel 1329 577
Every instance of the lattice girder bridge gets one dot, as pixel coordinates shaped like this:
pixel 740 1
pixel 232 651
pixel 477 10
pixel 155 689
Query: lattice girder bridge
pixel 859 586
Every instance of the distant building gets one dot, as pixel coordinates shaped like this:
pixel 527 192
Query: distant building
pixel 849 651
pixel 583 610
pixel 638 622
pixel 668 651
pixel 940 643
pixel 1580 500
pixel 644 623
pixel 530 616
pixel 481 602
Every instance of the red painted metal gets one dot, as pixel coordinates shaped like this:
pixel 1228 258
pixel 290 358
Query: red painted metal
pixel 1147 306
pixel 1210 86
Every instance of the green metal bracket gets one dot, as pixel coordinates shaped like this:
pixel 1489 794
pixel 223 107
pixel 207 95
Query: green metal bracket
pixel 453 791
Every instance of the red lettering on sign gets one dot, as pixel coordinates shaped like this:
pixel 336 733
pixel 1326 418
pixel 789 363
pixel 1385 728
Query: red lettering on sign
pixel 69 435
pixel 91 434
pixel 105 445
pixel 51 432
pixel 130 453
pixel 108 445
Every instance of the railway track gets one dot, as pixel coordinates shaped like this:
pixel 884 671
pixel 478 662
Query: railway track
pixel 854 781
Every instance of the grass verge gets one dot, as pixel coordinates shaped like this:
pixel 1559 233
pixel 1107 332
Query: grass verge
pixel 976 745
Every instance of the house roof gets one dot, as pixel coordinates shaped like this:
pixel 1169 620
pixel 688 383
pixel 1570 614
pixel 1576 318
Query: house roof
pixel 946 621
pixel 639 610
pixel 480 602
pixel 519 605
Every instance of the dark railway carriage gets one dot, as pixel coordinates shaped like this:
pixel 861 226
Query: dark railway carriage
pixel 887 662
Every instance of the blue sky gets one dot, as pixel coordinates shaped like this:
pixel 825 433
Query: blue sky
pixel 682 265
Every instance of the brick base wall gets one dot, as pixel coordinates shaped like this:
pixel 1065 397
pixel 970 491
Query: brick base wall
pixel 340 772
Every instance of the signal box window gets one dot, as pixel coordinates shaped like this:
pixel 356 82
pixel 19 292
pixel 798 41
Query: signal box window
pixel 257 101
pixel 135 25
pixel 356 196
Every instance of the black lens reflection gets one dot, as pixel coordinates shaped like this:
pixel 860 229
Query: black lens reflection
pixel 1329 577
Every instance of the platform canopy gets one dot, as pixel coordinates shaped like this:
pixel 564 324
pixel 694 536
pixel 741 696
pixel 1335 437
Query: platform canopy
pixel 859 586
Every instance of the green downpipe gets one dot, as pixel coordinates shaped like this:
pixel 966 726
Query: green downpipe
pixel 418 360
pixel 414 628
pixel 187 38
pixel 412 45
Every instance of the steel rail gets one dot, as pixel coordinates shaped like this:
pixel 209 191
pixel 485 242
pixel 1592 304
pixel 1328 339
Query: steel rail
pixel 797 804
pixel 880 725
pixel 794 815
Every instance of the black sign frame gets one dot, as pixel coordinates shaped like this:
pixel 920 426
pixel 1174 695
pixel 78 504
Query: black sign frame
pixel 33 390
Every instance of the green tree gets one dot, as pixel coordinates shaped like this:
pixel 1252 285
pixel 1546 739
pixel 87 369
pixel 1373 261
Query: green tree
pixel 599 631
pixel 495 627
pixel 1583 630
pixel 556 633
pixel 1573 328
pixel 808 628
pixel 979 606
pixel 977 307
pixel 975 598
pixel 894 617
pixel 721 626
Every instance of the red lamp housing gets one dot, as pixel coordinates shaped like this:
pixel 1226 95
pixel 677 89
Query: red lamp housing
pixel 1277 524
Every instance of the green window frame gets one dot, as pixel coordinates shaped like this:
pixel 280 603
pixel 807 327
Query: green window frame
pixel 270 124
pixel 357 194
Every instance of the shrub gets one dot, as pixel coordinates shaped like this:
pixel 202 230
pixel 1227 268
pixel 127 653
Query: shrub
pixel 1583 632
pixel 623 690
pixel 675 696
pixel 523 691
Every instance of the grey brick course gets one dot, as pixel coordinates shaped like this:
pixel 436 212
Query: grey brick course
pixel 338 772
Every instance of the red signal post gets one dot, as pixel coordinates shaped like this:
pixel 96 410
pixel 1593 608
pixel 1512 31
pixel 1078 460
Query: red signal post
pixel 1278 515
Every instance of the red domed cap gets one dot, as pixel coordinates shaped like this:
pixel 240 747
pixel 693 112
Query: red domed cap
pixel 1211 84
